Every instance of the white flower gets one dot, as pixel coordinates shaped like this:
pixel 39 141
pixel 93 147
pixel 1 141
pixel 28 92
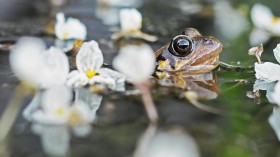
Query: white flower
pixel 266 24
pixel 136 62
pixel 130 20
pixel 42 68
pixel 69 28
pixel 89 61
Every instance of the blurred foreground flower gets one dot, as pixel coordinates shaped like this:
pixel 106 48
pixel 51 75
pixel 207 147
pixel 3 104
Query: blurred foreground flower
pixel 138 64
pixel 89 62
pixel 131 24
pixel 69 28
pixel 274 121
pixel 36 66
pixel 266 24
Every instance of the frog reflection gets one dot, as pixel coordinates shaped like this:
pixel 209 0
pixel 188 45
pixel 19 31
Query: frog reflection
pixel 189 53
pixel 203 84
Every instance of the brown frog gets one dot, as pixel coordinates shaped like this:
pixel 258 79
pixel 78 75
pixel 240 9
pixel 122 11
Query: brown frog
pixel 189 53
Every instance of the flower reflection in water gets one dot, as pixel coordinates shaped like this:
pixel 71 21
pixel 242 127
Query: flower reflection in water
pixel 55 117
pixel 174 142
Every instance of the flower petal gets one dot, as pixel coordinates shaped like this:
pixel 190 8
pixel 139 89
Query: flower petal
pixel 258 36
pixel 276 52
pixel 55 140
pixel 26 60
pixel 89 98
pixel 69 29
pixel 268 86
pixel 119 79
pixel 261 16
pixel 89 57
pixel 130 19
pixel 56 97
pixel 276 94
pixel 274 121
pixel 57 67
pixel 136 62
pixel 267 71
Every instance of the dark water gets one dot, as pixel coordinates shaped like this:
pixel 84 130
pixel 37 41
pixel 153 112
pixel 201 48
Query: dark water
pixel 243 129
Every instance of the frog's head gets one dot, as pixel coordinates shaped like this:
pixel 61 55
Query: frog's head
pixel 190 53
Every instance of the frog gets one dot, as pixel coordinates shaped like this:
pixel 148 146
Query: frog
pixel 189 53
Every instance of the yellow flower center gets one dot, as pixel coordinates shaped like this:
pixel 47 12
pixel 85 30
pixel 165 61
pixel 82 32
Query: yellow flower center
pixel 60 111
pixel 90 73
pixel 65 35
pixel 275 20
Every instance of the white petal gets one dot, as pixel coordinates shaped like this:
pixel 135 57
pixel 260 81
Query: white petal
pixel 175 144
pixel 119 79
pixel 57 67
pixel 265 85
pixel 261 16
pixel 136 62
pixel 56 97
pixel 32 107
pixel 82 130
pixel 276 52
pixel 101 79
pixel 274 121
pixel 64 45
pixel 26 60
pixel 267 71
pixel 89 98
pixel 77 30
pixel 73 77
pixel 89 57
pixel 82 110
pixel 43 118
pixel 69 29
pixel 224 15
pixel 130 19
pixel 55 140
pixel 258 36
pixel 276 94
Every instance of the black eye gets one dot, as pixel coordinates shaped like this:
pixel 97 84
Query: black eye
pixel 181 46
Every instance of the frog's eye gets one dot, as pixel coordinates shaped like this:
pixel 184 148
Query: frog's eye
pixel 181 46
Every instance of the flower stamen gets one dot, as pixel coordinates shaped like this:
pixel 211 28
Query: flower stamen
pixel 91 73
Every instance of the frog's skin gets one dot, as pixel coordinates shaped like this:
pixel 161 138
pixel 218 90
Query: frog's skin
pixel 189 53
